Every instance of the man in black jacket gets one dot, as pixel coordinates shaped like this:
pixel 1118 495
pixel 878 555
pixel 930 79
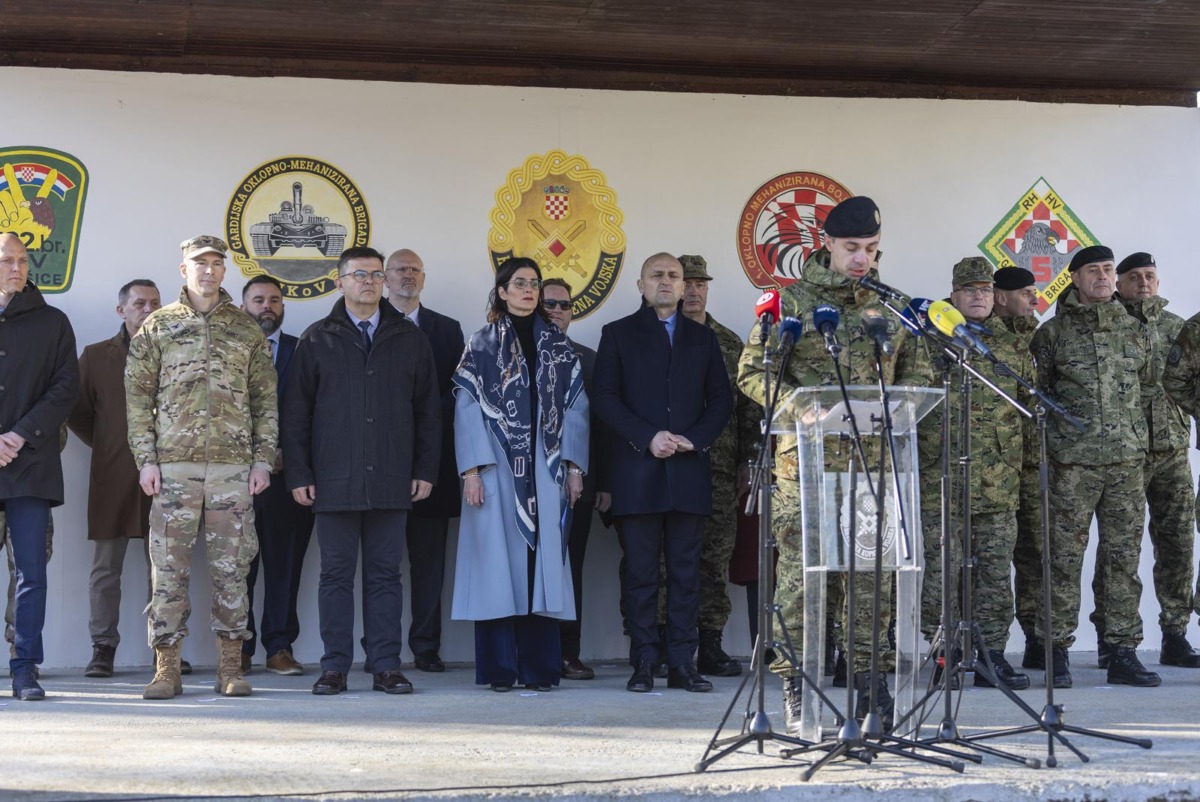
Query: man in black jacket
pixel 361 444
pixel 39 382
pixel 662 390
pixel 429 520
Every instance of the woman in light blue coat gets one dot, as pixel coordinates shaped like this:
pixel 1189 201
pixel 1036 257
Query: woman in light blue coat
pixel 521 441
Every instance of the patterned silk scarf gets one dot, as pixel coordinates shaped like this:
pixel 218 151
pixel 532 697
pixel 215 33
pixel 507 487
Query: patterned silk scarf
pixel 493 372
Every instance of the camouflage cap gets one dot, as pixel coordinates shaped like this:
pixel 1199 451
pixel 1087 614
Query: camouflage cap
pixel 203 244
pixel 694 267
pixel 972 270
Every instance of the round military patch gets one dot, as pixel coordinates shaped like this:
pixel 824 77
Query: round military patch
pixel 780 226
pixel 291 218
pixel 1175 355
pixel 559 211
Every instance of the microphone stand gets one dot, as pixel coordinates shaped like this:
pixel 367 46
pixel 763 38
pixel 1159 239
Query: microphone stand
pixel 851 734
pixel 756 724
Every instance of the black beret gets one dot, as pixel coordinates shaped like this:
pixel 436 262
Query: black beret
pixel 1013 278
pixel 1135 260
pixel 853 217
pixel 1088 255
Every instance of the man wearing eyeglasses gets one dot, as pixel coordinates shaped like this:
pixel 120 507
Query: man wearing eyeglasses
pixel 996 451
pixel 429 520
pixel 361 444
pixel 556 300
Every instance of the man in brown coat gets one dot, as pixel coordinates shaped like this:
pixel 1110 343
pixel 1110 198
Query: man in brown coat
pixel 118 510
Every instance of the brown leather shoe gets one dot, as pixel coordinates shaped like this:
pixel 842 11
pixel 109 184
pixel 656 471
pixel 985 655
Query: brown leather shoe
pixel 573 668
pixel 283 663
pixel 330 683
pixel 392 681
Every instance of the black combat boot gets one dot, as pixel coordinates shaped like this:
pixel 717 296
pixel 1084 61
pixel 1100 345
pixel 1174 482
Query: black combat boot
pixel 839 670
pixel 1176 651
pixel 1104 651
pixel 791 703
pixel 1125 669
pixel 830 648
pixel 884 704
pixel 1035 652
pixel 1061 670
pixel 713 660
pixel 1004 672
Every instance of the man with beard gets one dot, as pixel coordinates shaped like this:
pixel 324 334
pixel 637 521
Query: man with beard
pixel 118 510
pixel 284 527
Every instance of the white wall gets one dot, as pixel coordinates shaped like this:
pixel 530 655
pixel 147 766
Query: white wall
pixel 165 153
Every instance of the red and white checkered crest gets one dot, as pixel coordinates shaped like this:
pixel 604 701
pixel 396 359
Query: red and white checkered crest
pixel 557 206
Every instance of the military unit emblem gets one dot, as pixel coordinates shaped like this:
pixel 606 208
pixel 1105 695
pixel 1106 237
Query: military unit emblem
pixel 1039 233
pixel 42 192
pixel 780 226
pixel 559 211
pixel 291 218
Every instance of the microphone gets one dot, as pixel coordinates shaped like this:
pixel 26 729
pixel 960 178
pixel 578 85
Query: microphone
pixel 790 329
pixel 876 327
pixel 915 316
pixel 949 321
pixel 825 319
pixel 767 311
pixel 881 289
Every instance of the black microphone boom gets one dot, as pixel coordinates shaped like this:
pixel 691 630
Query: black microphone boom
pixel 879 288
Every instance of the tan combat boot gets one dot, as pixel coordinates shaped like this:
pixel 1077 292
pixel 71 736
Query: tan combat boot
pixel 167 683
pixel 229 668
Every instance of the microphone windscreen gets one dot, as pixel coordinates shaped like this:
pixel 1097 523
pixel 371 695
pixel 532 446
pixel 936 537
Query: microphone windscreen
pixel 792 326
pixel 768 303
pixel 825 315
pixel 945 318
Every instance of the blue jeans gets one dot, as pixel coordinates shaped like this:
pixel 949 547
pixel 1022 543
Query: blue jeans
pixel 27 521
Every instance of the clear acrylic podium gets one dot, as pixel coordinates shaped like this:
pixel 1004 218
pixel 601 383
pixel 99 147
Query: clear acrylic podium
pixel 816 416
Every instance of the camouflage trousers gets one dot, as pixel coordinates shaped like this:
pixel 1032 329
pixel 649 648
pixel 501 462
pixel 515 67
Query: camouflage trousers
pixel 10 634
pixel 1169 493
pixel 720 534
pixel 216 498
pixel 789 587
pixel 1115 495
pixel 931 579
pixel 1027 555
pixel 993 539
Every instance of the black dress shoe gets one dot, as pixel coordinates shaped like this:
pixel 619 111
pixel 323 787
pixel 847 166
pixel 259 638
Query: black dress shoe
pixel 430 662
pixel 1004 673
pixel 1061 669
pixel 687 678
pixel 1176 651
pixel 642 680
pixel 1124 668
pixel 185 667
pixel 501 687
pixel 392 681
pixel 330 683
pixel 544 687
pixel 573 668
pixel 25 686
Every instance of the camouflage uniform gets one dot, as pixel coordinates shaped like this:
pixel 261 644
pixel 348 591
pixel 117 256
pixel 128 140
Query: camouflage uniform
pixel 201 401
pixel 1181 381
pixel 1168 478
pixel 1027 555
pixel 810 366
pixel 735 446
pixel 1095 361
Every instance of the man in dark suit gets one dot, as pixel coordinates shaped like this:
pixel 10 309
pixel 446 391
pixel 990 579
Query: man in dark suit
pixel 430 519
pixel 362 442
pixel 284 527
pixel 118 510
pixel 556 300
pixel 662 390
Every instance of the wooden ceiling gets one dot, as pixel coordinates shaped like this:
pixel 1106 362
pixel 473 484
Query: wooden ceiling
pixel 1143 52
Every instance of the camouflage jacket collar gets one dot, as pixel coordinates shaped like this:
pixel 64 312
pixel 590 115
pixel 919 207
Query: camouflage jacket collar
pixel 223 298
pixel 1099 316
pixel 27 300
pixel 1021 326
pixel 832 286
pixel 1144 309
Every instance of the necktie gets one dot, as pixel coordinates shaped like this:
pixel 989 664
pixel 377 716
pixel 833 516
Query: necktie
pixel 274 348
pixel 365 327
pixel 667 331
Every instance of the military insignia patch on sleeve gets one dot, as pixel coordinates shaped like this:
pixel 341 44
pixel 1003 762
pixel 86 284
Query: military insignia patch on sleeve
pixel 1175 355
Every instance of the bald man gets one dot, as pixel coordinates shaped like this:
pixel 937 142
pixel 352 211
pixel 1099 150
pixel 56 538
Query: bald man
pixel 430 519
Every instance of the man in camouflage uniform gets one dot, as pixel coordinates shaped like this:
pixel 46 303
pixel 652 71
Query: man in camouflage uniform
pixel 830 276
pixel 1168 474
pixel 1095 359
pixel 1181 381
pixel 1015 309
pixel 995 476
pixel 730 456
pixel 203 425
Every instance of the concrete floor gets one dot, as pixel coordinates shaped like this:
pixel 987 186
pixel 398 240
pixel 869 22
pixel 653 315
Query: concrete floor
pixel 97 739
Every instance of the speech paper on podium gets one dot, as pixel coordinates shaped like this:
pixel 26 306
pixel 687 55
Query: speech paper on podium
pixel 868 415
